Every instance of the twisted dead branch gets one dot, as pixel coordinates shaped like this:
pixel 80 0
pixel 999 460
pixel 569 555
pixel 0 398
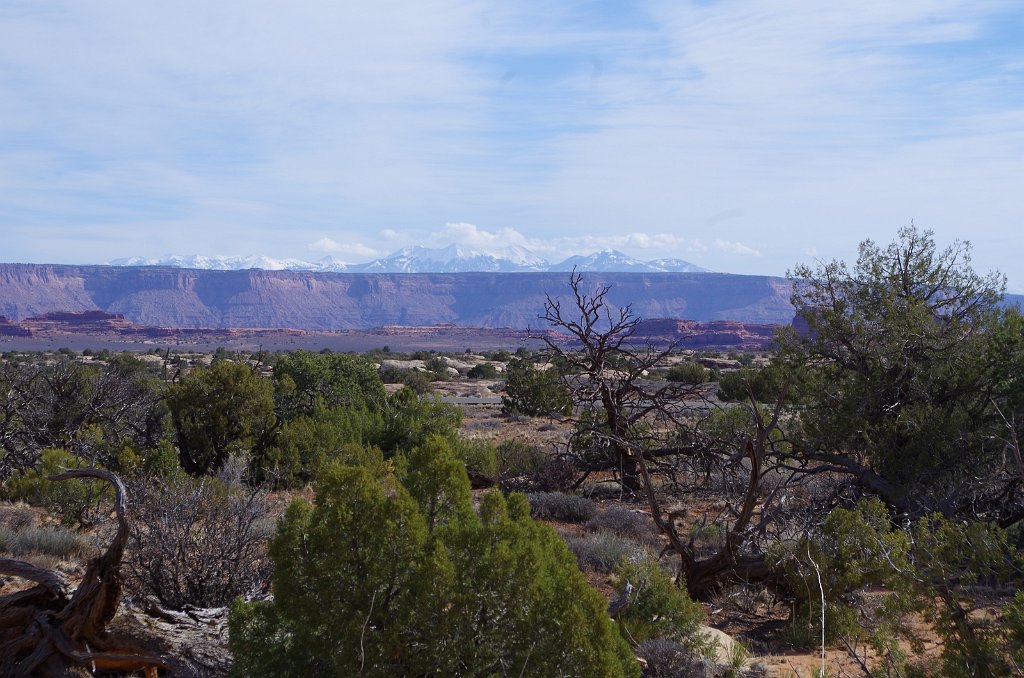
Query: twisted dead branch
pixel 49 630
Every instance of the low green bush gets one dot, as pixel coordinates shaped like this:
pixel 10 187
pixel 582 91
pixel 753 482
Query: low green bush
pixel 477 455
pixel 533 391
pixel 658 608
pixel 75 502
pixel 483 371
pixel 399 576
pixel 417 380
pixel 687 373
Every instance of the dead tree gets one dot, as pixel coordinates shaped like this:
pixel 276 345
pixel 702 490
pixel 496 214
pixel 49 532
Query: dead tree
pixel 49 629
pixel 605 377
pixel 732 563
pixel 627 419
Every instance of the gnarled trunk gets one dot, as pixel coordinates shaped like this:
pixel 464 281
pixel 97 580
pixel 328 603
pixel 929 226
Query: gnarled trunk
pixel 49 629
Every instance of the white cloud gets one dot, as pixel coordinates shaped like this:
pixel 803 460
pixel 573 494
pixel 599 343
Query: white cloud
pixel 353 248
pixel 471 236
pixel 736 247
pixel 650 245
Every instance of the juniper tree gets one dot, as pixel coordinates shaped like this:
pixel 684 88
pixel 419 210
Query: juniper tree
pixel 391 572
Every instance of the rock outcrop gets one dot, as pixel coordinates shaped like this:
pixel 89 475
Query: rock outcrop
pixel 693 334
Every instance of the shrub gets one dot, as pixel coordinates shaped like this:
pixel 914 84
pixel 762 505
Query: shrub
pixel 623 522
pixel 524 467
pixel 924 567
pixel 501 356
pixel 16 517
pixel 559 506
pixel 51 541
pixel 218 411
pixel 196 542
pixel 437 368
pixel 600 551
pixel 671 659
pixel 534 392
pixel 736 385
pixel 477 455
pixel 75 502
pixel 409 420
pixel 687 373
pixel 363 585
pixel 1013 620
pixel 417 380
pixel 306 442
pixel 483 371
pixel 659 609
pixel 303 381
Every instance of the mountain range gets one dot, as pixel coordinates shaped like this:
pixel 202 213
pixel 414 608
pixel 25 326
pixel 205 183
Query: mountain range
pixel 451 259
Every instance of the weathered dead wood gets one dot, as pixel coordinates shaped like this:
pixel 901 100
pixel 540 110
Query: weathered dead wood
pixel 729 564
pixel 48 630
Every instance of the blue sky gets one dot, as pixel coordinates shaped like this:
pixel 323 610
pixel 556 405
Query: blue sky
pixel 745 136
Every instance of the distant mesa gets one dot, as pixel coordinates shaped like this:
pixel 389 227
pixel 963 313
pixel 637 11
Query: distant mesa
pixel 451 259
pixel 80 317
pixel 172 297
pixel 11 329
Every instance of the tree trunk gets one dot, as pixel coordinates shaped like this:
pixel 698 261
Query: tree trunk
pixel 47 630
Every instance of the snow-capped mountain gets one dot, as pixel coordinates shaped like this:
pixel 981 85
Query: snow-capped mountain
pixel 451 259
pixel 675 266
pixel 613 260
pixel 223 263
pixel 605 260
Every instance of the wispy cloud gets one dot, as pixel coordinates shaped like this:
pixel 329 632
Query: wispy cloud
pixel 349 248
pixel 736 248
pixel 641 244
pixel 659 127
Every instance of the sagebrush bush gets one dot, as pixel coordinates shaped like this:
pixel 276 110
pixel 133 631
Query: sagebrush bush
pixel 612 490
pixel 569 508
pixel 33 539
pixel 624 522
pixel 668 658
pixel 16 517
pixel 600 551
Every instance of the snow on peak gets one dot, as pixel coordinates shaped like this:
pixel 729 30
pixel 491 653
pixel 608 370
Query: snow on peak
pixel 453 258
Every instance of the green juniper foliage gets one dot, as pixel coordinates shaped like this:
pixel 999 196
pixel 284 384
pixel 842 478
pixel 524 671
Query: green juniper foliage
pixel 533 391
pixel 392 572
